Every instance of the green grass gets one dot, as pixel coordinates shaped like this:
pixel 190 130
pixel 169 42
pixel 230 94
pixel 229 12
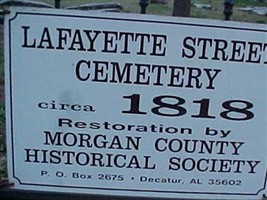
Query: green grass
pixel 3 171
pixel 246 2
pixel 3 167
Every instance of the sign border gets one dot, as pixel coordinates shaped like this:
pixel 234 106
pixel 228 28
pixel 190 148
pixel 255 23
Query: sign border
pixel 138 20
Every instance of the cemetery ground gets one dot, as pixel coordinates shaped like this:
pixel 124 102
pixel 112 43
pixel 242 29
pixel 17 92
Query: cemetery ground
pixel 216 12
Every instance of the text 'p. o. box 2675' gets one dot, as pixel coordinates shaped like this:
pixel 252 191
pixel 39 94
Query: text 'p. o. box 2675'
pixel 133 105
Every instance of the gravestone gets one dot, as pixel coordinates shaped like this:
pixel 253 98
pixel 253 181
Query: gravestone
pixel 159 1
pixel 98 6
pixel 181 8
pixel 27 3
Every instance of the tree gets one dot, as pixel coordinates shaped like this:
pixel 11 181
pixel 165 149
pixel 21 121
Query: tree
pixel 57 3
pixel 181 8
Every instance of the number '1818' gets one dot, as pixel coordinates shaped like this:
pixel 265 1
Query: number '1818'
pixel 173 106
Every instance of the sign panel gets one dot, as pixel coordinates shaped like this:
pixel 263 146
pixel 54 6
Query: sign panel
pixel 133 105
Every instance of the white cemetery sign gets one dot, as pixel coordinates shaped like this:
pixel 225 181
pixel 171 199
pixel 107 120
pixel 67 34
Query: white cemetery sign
pixel 133 105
